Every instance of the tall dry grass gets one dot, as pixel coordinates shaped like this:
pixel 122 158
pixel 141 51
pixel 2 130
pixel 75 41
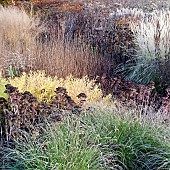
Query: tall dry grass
pixel 62 59
pixel 17 26
pixel 18 32
pixel 25 45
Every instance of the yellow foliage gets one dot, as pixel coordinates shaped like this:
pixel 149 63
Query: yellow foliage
pixel 36 82
pixel 2 88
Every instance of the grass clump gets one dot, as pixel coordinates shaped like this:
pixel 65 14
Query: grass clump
pixel 16 26
pixel 58 147
pixel 126 143
pixel 97 139
pixel 152 38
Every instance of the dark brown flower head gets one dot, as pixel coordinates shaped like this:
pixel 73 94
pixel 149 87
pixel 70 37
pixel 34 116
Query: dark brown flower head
pixel 104 76
pixel 33 99
pixel 132 89
pixel 10 89
pixel 61 90
pixel 168 91
pixel 27 93
pixel 141 87
pixel 69 99
pixel 152 85
pixel 2 100
pixel 81 95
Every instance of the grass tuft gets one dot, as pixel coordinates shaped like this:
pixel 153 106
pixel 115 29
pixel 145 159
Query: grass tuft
pixel 97 139
pixel 152 41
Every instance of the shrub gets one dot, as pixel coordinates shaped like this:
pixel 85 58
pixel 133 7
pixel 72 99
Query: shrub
pixel 35 82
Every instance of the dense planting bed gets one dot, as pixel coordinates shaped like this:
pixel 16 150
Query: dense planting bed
pixel 84 85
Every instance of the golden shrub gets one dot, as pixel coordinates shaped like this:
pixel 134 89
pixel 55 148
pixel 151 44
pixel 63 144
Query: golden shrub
pixel 2 88
pixel 43 87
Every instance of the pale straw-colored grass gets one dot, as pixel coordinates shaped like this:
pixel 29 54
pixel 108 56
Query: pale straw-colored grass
pixel 18 32
pixel 17 26
pixel 152 38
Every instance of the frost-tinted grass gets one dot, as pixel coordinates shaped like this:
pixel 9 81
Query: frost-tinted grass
pixel 59 148
pixel 97 139
pixel 152 39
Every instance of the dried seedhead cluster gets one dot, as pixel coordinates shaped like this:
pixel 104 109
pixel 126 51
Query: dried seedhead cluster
pixel 131 94
pixel 22 111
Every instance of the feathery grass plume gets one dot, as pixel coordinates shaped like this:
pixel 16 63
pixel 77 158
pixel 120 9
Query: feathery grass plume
pixel 18 32
pixel 134 12
pixel 16 26
pixel 152 39
pixel 35 82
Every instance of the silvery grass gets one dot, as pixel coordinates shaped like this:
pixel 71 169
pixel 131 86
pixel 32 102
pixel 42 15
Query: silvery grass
pixel 152 39
pixel 100 138
pixel 134 12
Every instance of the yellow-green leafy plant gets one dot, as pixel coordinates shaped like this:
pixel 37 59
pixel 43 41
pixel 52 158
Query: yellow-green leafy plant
pixel 43 87
pixel 2 88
